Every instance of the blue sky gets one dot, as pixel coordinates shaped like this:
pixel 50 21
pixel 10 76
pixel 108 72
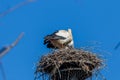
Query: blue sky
pixel 90 20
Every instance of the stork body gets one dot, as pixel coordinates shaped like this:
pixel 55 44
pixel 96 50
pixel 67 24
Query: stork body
pixel 59 39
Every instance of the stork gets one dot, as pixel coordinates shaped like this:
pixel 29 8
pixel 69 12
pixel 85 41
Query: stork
pixel 59 40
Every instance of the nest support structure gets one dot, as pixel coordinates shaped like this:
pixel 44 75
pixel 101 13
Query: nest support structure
pixel 68 64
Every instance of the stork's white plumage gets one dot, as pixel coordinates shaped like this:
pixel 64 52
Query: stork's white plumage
pixel 59 39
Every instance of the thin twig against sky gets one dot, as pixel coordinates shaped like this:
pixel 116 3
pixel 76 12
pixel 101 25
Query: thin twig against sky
pixel 2 71
pixel 15 7
pixel 117 46
pixel 6 49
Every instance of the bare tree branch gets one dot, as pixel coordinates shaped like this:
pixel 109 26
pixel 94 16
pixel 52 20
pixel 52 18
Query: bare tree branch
pixel 15 7
pixel 2 71
pixel 117 46
pixel 6 49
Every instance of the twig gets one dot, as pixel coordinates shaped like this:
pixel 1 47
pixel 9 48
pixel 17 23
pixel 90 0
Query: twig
pixel 15 7
pixel 2 71
pixel 117 46
pixel 6 49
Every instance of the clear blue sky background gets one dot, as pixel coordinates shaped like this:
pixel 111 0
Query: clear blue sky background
pixel 90 20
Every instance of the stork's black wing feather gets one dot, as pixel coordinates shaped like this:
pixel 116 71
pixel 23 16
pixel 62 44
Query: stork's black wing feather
pixel 52 36
pixel 56 37
pixel 49 44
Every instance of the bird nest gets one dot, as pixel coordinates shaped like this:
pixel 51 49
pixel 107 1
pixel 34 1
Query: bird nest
pixel 68 64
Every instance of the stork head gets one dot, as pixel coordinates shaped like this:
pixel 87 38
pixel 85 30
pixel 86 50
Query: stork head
pixel 71 44
pixel 70 31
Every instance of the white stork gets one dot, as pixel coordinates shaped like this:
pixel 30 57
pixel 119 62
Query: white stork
pixel 59 39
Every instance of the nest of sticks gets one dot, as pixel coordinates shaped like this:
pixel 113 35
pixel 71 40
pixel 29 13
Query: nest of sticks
pixel 68 64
